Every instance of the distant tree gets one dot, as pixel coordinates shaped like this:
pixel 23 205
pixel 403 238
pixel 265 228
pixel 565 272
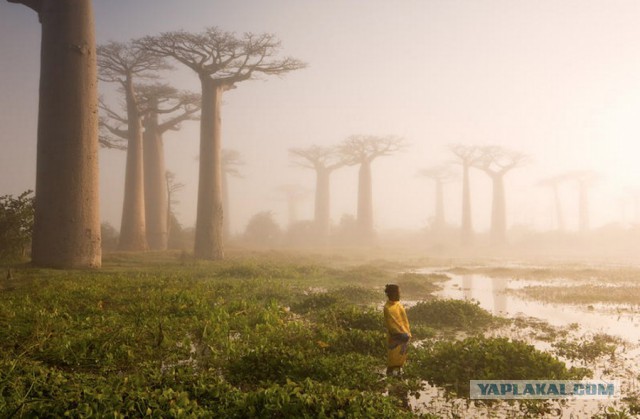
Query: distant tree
pixel 221 60
pixel 362 150
pixel 466 156
pixel 231 160
pixel 263 230
pixel 66 232
pixel 292 194
pixel 109 237
pixel 16 225
pixel 496 162
pixel 585 179
pixel 324 160
pixel 122 63
pixel 553 183
pixel 175 107
pixel 172 188
pixel 440 175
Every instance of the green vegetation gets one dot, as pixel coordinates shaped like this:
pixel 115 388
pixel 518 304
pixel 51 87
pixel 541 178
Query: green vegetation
pixel 16 225
pixel 453 314
pixel 588 350
pixel 452 364
pixel 258 335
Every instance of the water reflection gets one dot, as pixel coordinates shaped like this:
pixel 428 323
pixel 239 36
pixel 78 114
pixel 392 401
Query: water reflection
pixel 493 295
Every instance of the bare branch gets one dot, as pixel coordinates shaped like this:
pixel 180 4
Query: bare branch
pixel 222 56
pixel 359 149
pixel 32 4
pixel 317 158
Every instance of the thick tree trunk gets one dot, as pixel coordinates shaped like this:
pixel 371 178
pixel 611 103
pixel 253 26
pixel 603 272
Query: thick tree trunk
pixel 155 191
pixel 466 226
pixel 439 221
pixel 322 214
pixel 133 229
pixel 365 202
pixel 208 242
pixel 67 222
pixel 498 211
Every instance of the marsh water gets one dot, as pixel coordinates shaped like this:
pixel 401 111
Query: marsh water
pixel 500 296
pixel 496 295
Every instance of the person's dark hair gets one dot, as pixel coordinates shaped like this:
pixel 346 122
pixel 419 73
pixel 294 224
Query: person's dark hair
pixel 392 291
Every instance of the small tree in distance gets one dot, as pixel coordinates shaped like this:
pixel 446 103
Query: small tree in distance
pixel 362 150
pixel 324 160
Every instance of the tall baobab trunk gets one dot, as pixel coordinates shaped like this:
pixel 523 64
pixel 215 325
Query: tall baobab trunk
pixel 155 190
pixel 66 232
pixel 466 227
pixel 583 207
pixel 208 241
pixel 498 210
pixel 132 228
pixel 322 204
pixel 439 221
pixel 365 201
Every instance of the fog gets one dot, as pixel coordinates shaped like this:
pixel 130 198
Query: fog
pixel 556 80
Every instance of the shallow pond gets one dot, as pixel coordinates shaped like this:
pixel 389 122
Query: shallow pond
pixel 494 295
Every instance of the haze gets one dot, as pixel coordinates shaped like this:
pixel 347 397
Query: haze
pixel 556 80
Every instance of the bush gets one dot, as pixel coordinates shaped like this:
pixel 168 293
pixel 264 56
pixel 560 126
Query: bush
pixel 456 314
pixel 452 365
pixel 16 226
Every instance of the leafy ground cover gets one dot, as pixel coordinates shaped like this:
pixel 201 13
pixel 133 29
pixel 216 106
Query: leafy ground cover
pixel 262 335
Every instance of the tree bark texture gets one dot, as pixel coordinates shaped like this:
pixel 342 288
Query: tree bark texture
pixel 209 220
pixel 155 191
pixel 498 210
pixel 66 232
pixel 133 228
pixel 322 214
pixel 365 202
pixel 466 225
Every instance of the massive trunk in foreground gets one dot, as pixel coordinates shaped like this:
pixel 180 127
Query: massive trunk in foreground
pixel 132 229
pixel 155 191
pixel 208 240
pixel 66 232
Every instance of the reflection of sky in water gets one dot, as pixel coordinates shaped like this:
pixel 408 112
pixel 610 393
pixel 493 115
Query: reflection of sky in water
pixel 490 293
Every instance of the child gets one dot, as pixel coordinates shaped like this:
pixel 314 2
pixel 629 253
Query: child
pixel 398 332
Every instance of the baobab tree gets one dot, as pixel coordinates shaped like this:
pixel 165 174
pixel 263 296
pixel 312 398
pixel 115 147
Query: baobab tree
pixel 466 156
pixel 221 60
pixel 176 107
pixel 440 175
pixel 553 183
pixel 292 195
pixel 324 160
pixel 231 160
pixel 122 63
pixel 362 150
pixel 496 162
pixel 66 232
pixel 585 180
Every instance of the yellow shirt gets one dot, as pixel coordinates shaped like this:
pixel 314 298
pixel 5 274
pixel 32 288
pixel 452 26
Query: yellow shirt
pixel 395 318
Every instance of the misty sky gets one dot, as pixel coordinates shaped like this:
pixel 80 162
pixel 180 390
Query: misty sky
pixel 557 79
